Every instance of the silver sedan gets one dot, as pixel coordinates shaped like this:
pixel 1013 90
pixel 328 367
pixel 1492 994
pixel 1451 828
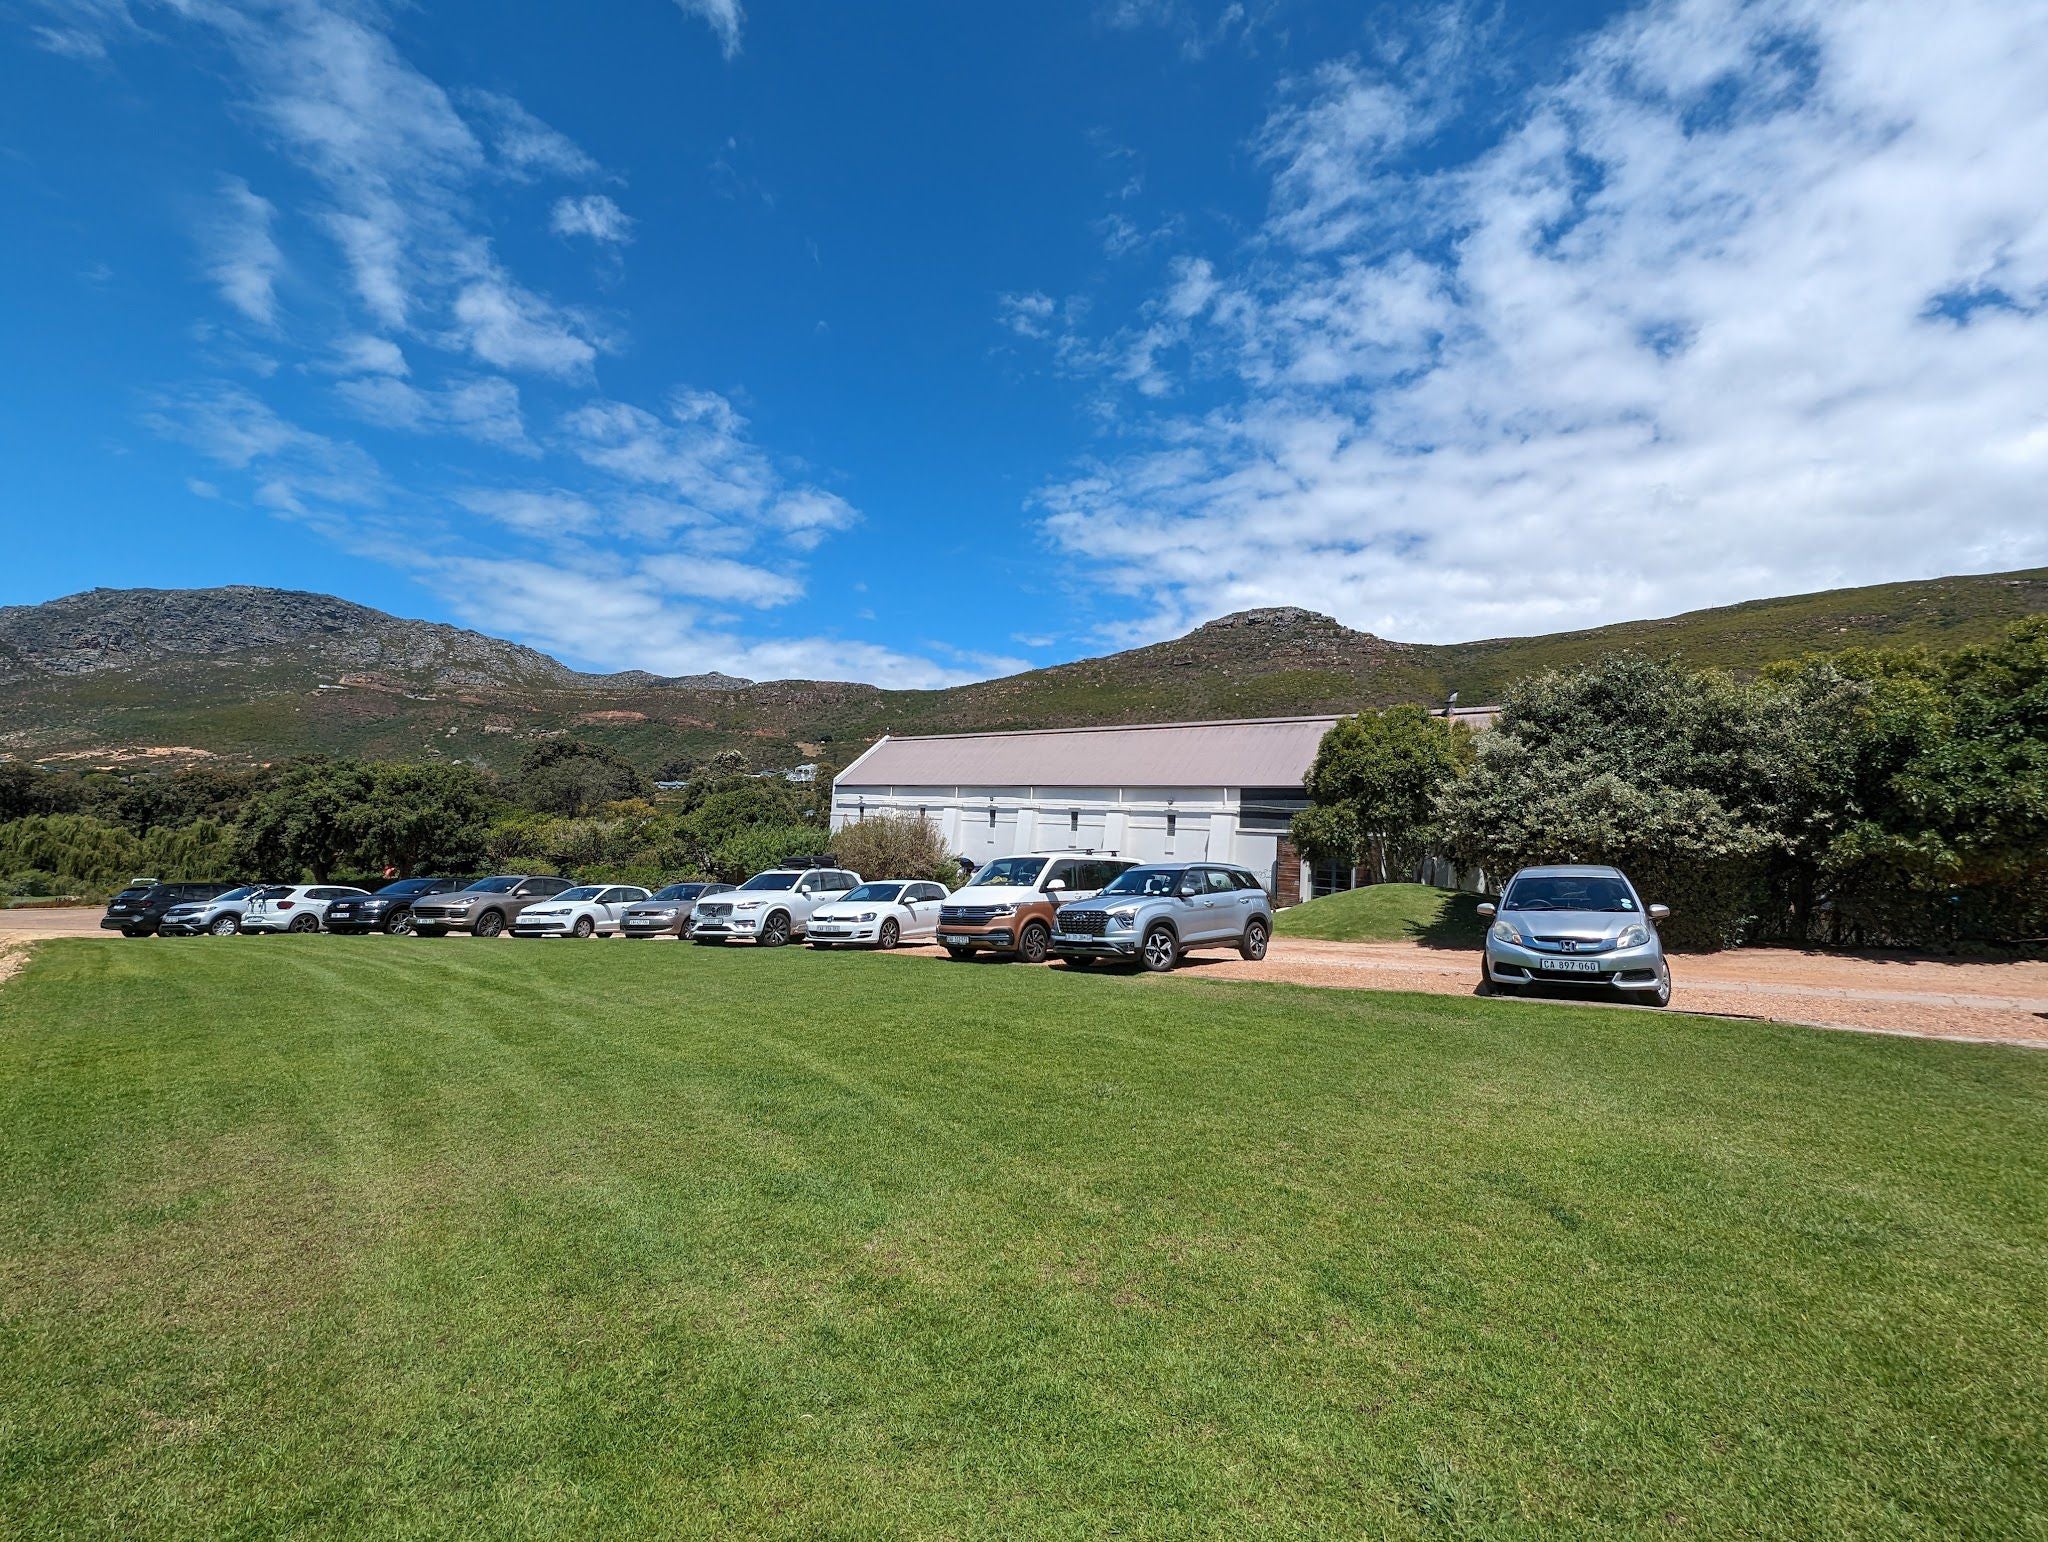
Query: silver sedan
pixel 1575 926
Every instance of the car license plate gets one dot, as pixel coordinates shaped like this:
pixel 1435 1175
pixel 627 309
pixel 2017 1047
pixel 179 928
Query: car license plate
pixel 1573 965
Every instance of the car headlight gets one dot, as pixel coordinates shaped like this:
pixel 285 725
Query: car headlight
pixel 748 905
pixel 1120 920
pixel 1002 910
pixel 867 915
pixel 1504 931
pixel 1633 937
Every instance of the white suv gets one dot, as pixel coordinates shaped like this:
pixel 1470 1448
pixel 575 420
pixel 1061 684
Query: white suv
pixel 771 907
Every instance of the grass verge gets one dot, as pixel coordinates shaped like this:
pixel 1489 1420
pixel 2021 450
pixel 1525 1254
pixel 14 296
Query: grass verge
pixel 1388 912
pixel 364 1236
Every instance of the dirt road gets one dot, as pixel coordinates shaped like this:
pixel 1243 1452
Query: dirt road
pixel 1923 997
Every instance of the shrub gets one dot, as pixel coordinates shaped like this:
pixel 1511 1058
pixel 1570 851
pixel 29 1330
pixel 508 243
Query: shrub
pixel 896 846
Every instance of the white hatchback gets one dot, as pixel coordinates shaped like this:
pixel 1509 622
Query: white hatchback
pixel 591 911
pixel 300 908
pixel 879 915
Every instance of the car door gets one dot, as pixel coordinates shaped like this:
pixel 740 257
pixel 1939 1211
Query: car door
pixel 1204 917
pixel 611 905
pixel 1234 903
pixel 920 909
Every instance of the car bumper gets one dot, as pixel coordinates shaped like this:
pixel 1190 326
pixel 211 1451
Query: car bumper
pixel 632 928
pixel 844 931
pixel 1001 938
pixel 1118 946
pixel 128 923
pixel 552 926
pixel 266 924
pixel 734 930
pixel 1627 969
pixel 181 926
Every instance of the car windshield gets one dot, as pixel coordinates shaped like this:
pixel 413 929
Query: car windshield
pixel 1144 880
pixel 772 881
pixel 238 894
pixel 678 891
pixel 588 891
pixel 1568 891
pixel 1011 872
pixel 875 891
pixel 407 886
pixel 493 885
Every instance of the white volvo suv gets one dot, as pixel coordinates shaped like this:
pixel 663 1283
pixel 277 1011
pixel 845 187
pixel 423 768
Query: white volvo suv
pixel 772 907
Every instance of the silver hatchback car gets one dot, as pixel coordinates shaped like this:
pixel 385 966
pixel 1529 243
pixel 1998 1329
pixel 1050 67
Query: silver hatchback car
pixel 1575 926
pixel 1154 914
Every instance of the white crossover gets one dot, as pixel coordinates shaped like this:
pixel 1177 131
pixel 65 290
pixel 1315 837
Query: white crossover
pixel 879 915
pixel 591 911
pixel 302 907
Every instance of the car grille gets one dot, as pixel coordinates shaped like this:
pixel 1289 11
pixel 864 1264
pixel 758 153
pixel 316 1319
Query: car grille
pixel 434 912
pixel 713 912
pixel 1083 923
pixel 1578 944
pixel 967 915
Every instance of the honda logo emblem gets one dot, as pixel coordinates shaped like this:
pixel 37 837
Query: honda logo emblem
pixel 1569 946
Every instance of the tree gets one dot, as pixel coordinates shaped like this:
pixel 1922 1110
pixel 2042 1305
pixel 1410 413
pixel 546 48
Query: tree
pixel 306 822
pixel 1374 784
pixel 572 778
pixel 418 818
pixel 896 846
pixel 1632 762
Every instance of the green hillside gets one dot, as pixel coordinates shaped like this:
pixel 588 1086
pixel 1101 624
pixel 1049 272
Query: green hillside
pixel 102 677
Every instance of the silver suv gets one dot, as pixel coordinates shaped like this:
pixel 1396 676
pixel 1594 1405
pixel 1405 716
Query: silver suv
pixel 771 907
pixel 1575 926
pixel 485 907
pixel 1152 915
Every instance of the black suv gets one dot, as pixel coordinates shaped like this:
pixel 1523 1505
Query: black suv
pixel 389 909
pixel 138 910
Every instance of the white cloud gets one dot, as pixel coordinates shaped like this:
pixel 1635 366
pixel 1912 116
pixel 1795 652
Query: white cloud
pixel 1754 300
pixel 523 146
pixel 514 328
pixel 368 355
pixel 592 215
pixel 723 17
pixel 1028 315
pixel 485 409
pixel 544 512
pixel 242 257
pixel 720 578
pixel 292 468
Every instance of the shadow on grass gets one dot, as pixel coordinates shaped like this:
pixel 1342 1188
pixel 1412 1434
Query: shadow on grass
pixel 1457 925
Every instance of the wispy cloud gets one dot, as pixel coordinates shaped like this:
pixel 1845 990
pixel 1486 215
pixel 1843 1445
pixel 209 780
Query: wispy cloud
pixel 486 410
pixel 593 215
pixel 723 17
pixel 293 469
pixel 521 144
pixel 1754 299
pixel 242 256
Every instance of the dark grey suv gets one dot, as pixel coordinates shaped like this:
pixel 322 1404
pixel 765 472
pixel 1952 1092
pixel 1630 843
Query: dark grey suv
pixel 1152 915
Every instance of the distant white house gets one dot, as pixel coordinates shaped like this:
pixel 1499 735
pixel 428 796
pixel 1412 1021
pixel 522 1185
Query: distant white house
pixel 1151 791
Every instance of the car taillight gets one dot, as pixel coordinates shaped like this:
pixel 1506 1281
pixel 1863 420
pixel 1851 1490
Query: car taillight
pixel 285 904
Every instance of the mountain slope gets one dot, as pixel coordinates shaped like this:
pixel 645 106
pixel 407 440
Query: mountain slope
pixel 264 673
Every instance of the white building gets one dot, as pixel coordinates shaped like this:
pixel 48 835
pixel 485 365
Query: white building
pixel 1152 792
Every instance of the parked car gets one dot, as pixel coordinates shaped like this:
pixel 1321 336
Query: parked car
pixel 485 907
pixel 772 907
pixel 879 915
pixel 298 907
pixel 1008 906
pixel 388 909
pixel 139 909
pixel 220 916
pixel 1155 914
pixel 594 910
pixel 1575 926
pixel 668 912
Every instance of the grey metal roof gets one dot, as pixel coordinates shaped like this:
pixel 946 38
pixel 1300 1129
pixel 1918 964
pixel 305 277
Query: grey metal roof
pixel 1244 752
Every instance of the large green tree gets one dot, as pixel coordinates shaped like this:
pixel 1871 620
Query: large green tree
pixel 1374 785
pixel 574 778
pixel 419 819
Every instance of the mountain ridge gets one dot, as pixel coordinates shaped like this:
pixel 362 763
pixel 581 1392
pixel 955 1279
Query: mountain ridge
pixel 249 673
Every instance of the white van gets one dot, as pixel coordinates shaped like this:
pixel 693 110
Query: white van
pixel 1007 907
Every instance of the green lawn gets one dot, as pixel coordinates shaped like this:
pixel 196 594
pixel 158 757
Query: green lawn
pixel 326 1236
pixel 1389 912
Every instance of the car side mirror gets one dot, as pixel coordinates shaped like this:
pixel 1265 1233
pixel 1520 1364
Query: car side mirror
pixel 1488 910
pixel 1055 885
pixel 1660 912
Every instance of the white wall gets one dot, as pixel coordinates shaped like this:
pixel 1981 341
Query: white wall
pixel 1149 824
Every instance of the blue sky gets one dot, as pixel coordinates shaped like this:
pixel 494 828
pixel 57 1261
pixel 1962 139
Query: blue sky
pixel 916 343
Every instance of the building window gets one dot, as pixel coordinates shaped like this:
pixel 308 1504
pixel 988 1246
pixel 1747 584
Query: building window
pixel 1073 821
pixel 1172 824
pixel 991 816
pixel 1331 878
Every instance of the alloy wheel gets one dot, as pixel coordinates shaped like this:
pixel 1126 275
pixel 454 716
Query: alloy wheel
pixel 891 934
pixel 1033 945
pixel 583 928
pixel 1161 950
pixel 400 925
pixel 775 931
pixel 489 924
pixel 225 926
pixel 1254 945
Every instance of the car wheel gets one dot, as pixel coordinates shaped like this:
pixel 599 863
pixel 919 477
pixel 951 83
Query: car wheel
pixel 225 926
pixel 583 928
pixel 1034 943
pixel 775 930
pixel 891 934
pixel 400 925
pixel 304 924
pixel 1256 936
pixel 1661 996
pixel 1161 951
pixel 489 924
